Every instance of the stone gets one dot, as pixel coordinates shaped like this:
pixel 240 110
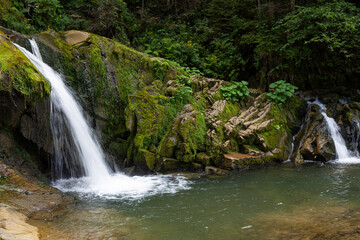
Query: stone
pixel 215 171
pixel 236 160
pixel 13 225
pixel 33 198
pixel 74 37
pixel 170 164
pixel 313 142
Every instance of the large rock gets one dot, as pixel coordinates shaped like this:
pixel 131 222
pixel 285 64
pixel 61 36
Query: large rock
pixel 156 116
pixel 314 141
pixel 261 129
pixel 13 225
pixel 186 137
pixel 33 198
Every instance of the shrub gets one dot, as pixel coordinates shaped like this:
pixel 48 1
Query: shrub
pixel 236 91
pixel 280 92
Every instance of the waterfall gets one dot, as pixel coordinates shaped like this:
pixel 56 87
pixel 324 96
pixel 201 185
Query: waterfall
pixel 343 155
pixel 97 178
pixel 89 153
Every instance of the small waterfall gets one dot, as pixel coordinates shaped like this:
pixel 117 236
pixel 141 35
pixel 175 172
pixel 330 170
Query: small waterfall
pixel 67 116
pixel 343 155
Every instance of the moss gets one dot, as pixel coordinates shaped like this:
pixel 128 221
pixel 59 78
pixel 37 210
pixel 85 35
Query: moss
pixel 169 164
pixel 285 122
pixel 98 71
pixel 354 105
pixel 18 73
pixel 152 117
pixel 149 158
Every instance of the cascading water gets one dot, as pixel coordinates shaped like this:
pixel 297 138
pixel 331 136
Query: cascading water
pixel 343 155
pixel 90 154
pixel 98 178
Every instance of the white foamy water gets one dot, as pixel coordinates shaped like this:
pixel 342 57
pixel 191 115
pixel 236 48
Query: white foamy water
pixel 343 155
pixel 123 187
pixel 99 179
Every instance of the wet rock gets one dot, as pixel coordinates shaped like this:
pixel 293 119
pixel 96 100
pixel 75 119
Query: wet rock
pixel 34 119
pixel 32 198
pixel 313 142
pixel 186 136
pixel 170 164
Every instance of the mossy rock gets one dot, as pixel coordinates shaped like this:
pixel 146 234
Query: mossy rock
pixel 147 157
pixel 171 165
pixel 17 73
pixel 285 121
pixel 186 137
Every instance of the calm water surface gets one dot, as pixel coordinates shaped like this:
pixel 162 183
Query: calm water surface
pixel 282 202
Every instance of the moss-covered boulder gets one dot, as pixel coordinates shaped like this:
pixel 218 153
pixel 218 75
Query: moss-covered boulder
pixel 187 136
pixel 260 128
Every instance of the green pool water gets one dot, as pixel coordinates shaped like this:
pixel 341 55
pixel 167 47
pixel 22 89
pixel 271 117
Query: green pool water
pixel 281 202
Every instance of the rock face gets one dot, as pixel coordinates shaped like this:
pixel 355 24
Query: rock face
pixel 154 115
pixel 33 198
pixel 25 146
pixel 314 142
pixel 13 225
pixel 24 107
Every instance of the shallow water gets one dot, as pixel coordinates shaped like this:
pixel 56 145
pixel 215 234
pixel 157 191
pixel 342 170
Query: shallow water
pixel 282 202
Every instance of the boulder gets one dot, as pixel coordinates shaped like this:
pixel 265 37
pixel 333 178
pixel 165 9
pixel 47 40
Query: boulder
pixel 313 142
pixel 13 225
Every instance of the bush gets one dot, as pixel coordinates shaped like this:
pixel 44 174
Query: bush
pixel 236 91
pixel 280 92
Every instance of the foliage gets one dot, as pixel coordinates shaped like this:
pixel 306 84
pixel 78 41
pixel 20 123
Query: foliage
pixel 226 39
pixel 320 40
pixel 182 96
pixel 236 91
pixel 34 15
pixel 280 92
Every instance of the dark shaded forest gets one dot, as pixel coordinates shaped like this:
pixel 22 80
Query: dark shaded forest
pixel 309 43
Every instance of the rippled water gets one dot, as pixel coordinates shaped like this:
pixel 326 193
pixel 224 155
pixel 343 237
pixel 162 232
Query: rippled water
pixel 282 202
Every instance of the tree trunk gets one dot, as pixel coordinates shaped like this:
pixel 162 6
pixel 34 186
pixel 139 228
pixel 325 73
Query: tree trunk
pixel 271 10
pixel 142 9
pixel 259 9
pixel 292 4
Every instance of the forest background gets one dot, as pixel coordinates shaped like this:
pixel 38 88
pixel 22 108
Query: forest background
pixel 309 43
